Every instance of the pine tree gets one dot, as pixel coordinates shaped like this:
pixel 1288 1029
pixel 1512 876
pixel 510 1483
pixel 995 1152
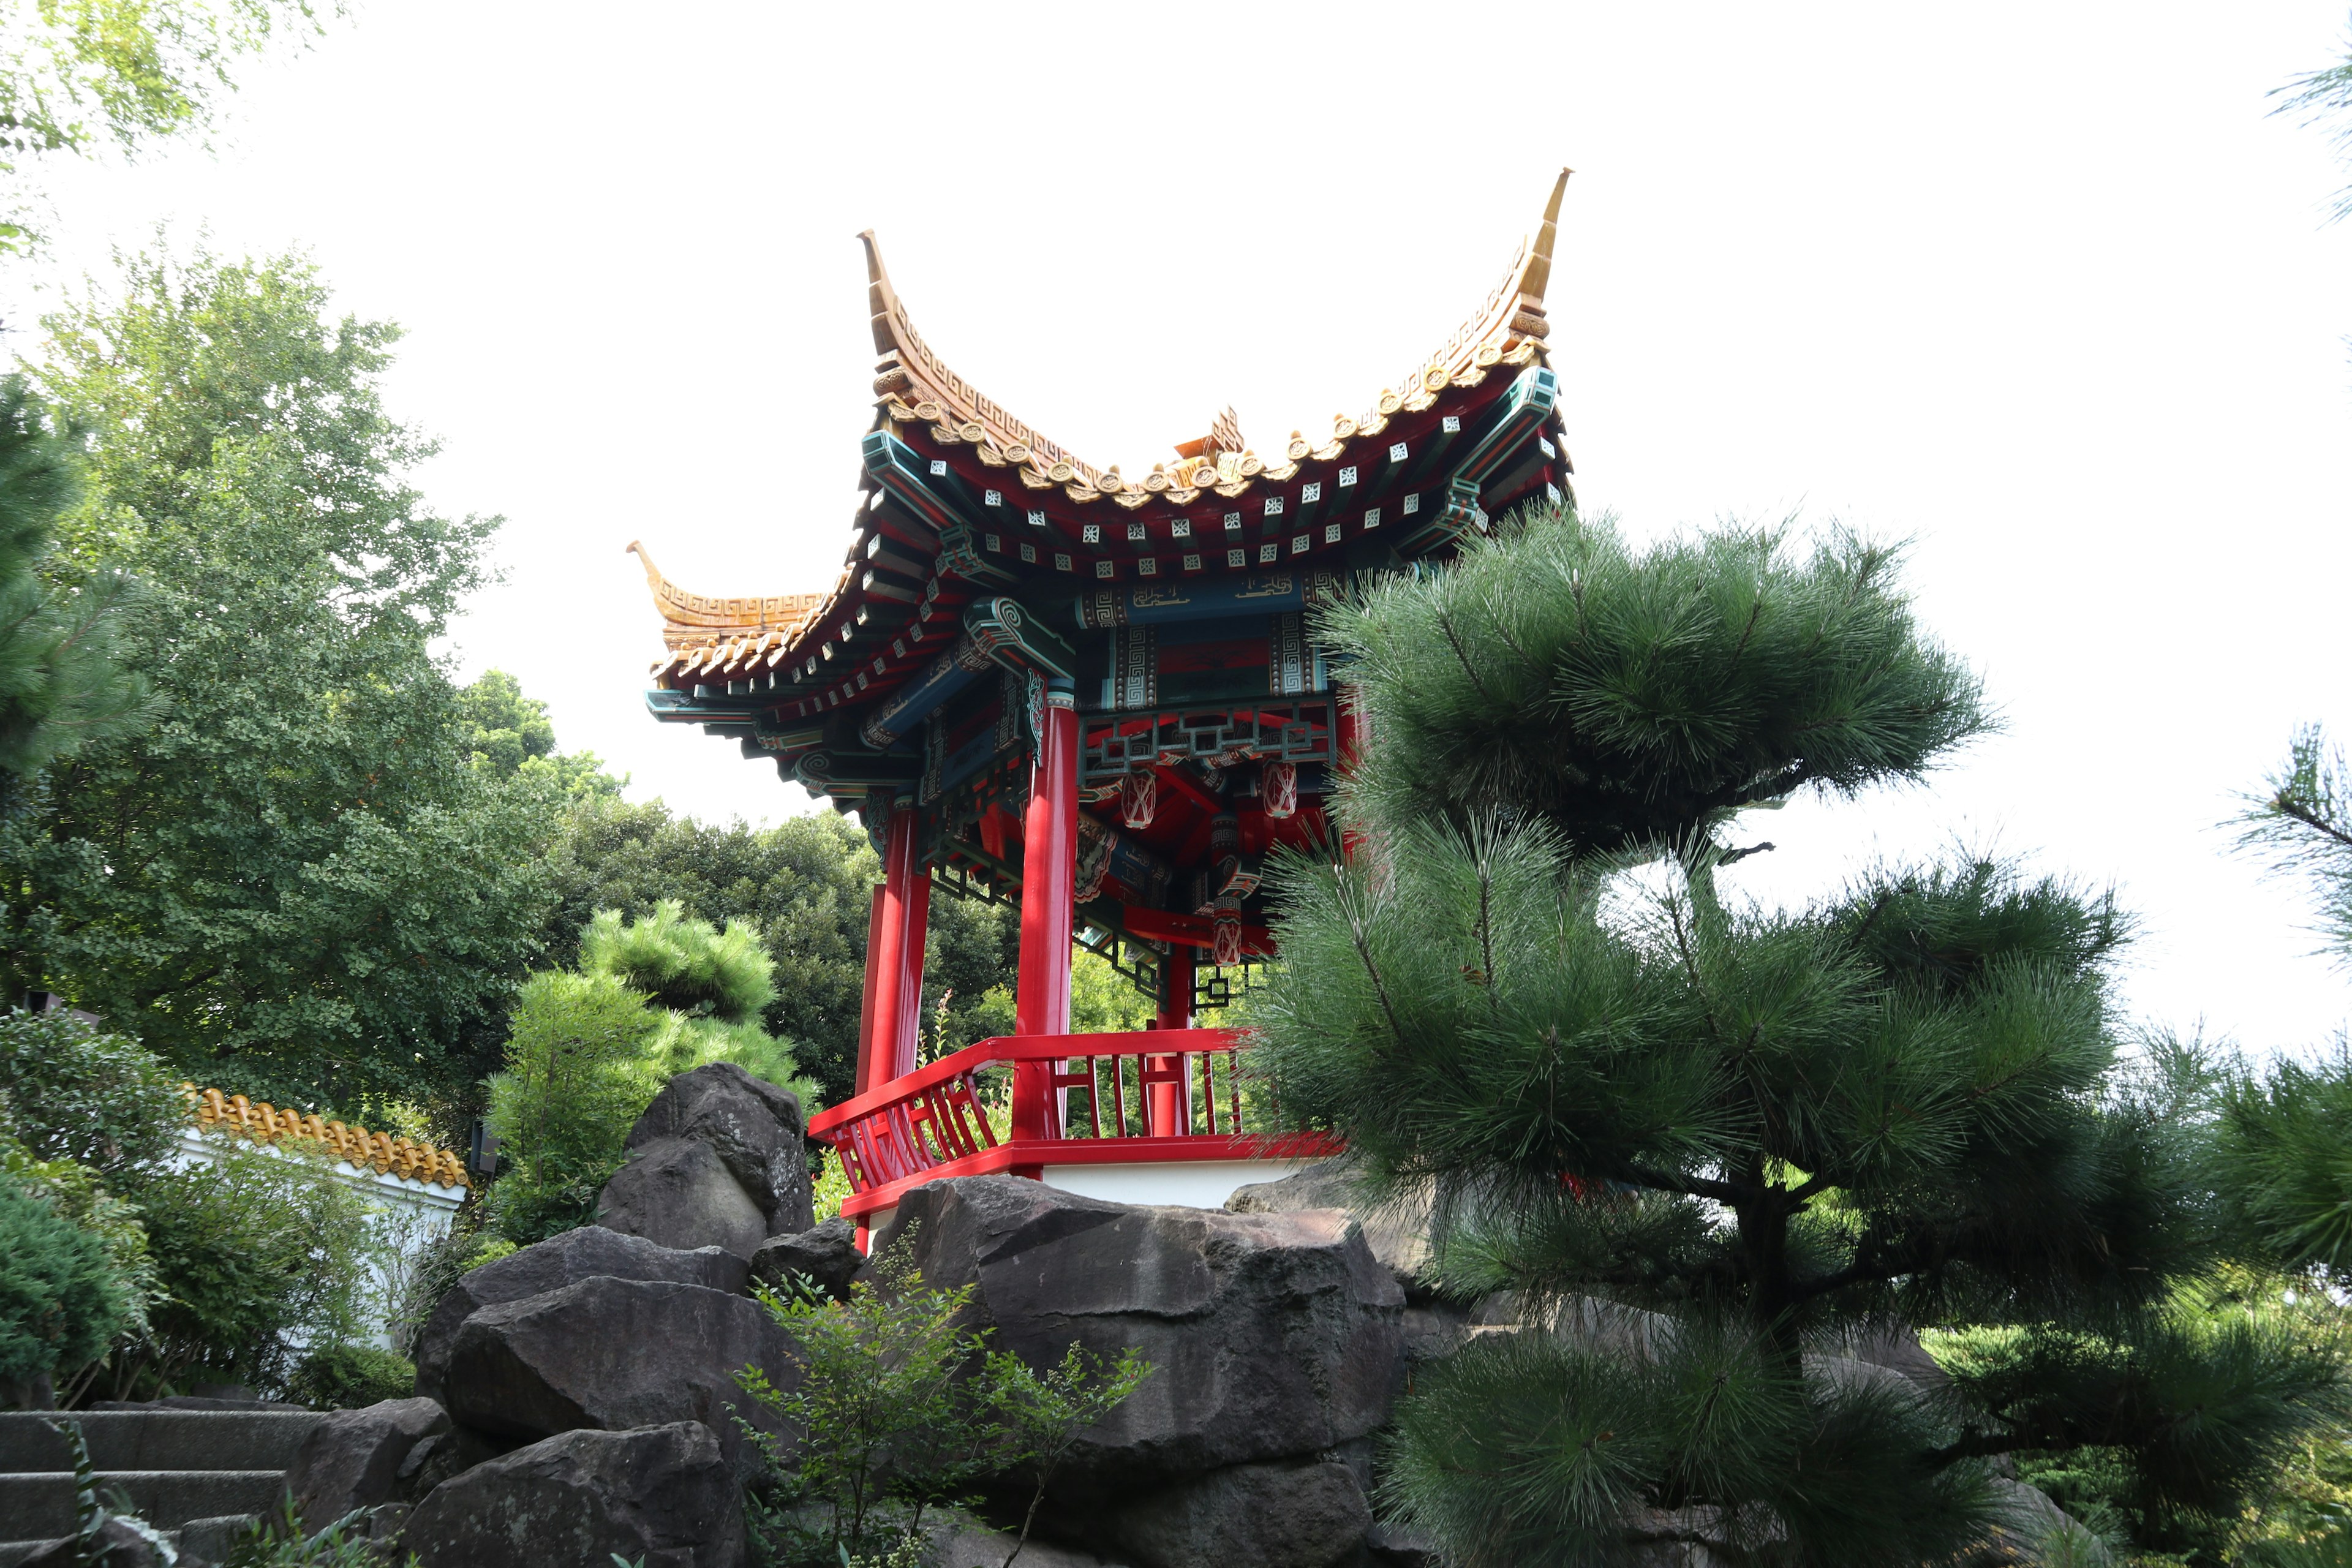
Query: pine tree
pixel 61 681
pixel 1714 1146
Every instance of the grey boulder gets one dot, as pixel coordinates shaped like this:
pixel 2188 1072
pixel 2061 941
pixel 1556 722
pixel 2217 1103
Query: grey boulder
pixel 1310 1515
pixel 1397 1230
pixel 549 1265
pixel 663 1495
pixel 1270 1336
pixel 719 1159
pixel 121 1544
pixel 354 1457
pixel 827 1257
pixel 613 1354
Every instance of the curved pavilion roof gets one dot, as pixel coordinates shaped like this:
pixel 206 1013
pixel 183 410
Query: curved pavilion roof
pixel 963 500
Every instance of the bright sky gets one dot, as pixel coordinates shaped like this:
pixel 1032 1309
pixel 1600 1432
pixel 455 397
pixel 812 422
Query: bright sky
pixel 2039 286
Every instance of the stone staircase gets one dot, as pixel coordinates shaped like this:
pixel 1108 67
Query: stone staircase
pixel 176 1466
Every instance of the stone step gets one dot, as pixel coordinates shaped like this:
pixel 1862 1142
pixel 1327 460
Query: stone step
pixel 40 1505
pixel 203 1542
pixel 158 1440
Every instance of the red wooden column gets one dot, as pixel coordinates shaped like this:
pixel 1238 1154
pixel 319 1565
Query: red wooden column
pixel 1165 1110
pixel 1049 859
pixel 895 959
pixel 866 1079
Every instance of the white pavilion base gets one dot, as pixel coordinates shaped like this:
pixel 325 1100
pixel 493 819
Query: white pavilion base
pixel 1186 1183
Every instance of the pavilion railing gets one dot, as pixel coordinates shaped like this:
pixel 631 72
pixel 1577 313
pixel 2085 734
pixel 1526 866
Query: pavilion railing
pixel 1150 1095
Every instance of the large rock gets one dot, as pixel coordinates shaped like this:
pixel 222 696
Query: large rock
pixel 719 1159
pixel 615 1354
pixel 1310 1515
pixel 549 1265
pixel 957 1540
pixel 121 1544
pixel 354 1457
pixel 1270 1336
pixel 827 1257
pixel 1397 1229
pixel 662 1495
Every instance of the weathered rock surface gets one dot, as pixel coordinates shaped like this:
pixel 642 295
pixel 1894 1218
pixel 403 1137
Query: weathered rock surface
pixel 1310 1515
pixel 121 1544
pixel 661 1494
pixel 1271 1336
pixel 615 1354
pixel 958 1540
pixel 1397 1230
pixel 717 1160
pixel 354 1457
pixel 827 1257
pixel 549 1265
pixel 443 1454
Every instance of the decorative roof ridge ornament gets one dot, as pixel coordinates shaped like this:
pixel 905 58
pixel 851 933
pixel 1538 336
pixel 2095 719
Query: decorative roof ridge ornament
pixel 690 618
pixel 908 373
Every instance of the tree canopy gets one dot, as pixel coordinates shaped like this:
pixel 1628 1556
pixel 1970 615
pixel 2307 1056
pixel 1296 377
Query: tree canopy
pixel 297 868
pixel 1762 1133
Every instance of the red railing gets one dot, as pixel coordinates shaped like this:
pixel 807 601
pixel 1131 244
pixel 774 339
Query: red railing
pixel 1148 1096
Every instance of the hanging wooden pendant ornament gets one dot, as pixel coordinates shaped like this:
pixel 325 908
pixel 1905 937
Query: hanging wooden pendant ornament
pixel 1278 789
pixel 1139 797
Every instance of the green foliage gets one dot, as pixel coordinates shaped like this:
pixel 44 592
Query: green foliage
pixel 1902 1105
pixel 61 1298
pixel 2196 1411
pixel 352 1377
pixel 78 75
pixel 682 963
pixel 899 1411
pixel 77 1093
pixel 295 883
pixel 2282 1161
pixel 1633 698
pixel 1525 1448
pixel 62 684
pixel 577 1074
pixel 511 734
pixel 805 885
pixel 2302 822
pixel 91 1515
pixel 2325 97
pixel 261 1252
pixel 74 1192
pixel 278 1541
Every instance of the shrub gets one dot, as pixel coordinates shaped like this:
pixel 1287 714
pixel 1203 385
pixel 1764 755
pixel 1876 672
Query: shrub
pixel 688 965
pixel 261 1252
pixel 899 1411
pixel 61 1298
pixel 352 1377
pixel 77 1093
pixel 577 1074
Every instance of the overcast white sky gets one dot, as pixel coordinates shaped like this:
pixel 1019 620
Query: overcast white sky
pixel 2040 286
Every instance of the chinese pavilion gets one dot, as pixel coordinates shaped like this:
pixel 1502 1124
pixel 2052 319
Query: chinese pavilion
pixel 1097 697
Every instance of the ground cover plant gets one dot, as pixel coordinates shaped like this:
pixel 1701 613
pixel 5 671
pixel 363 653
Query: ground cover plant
pixel 1534 988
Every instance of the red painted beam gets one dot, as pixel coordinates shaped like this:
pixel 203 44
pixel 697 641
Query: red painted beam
pixel 1191 931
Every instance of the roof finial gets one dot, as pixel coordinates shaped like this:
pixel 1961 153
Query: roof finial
pixel 881 300
pixel 645 558
pixel 1537 277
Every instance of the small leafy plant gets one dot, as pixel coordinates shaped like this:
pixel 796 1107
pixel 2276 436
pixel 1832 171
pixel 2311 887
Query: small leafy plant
pixel 91 1516
pixel 902 1410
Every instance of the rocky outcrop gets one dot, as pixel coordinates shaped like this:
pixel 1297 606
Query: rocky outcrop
pixel 354 1458
pixel 719 1159
pixel 551 1265
pixel 613 1354
pixel 1271 1336
pixel 1397 1230
pixel 827 1257
pixel 1310 1515
pixel 663 1495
